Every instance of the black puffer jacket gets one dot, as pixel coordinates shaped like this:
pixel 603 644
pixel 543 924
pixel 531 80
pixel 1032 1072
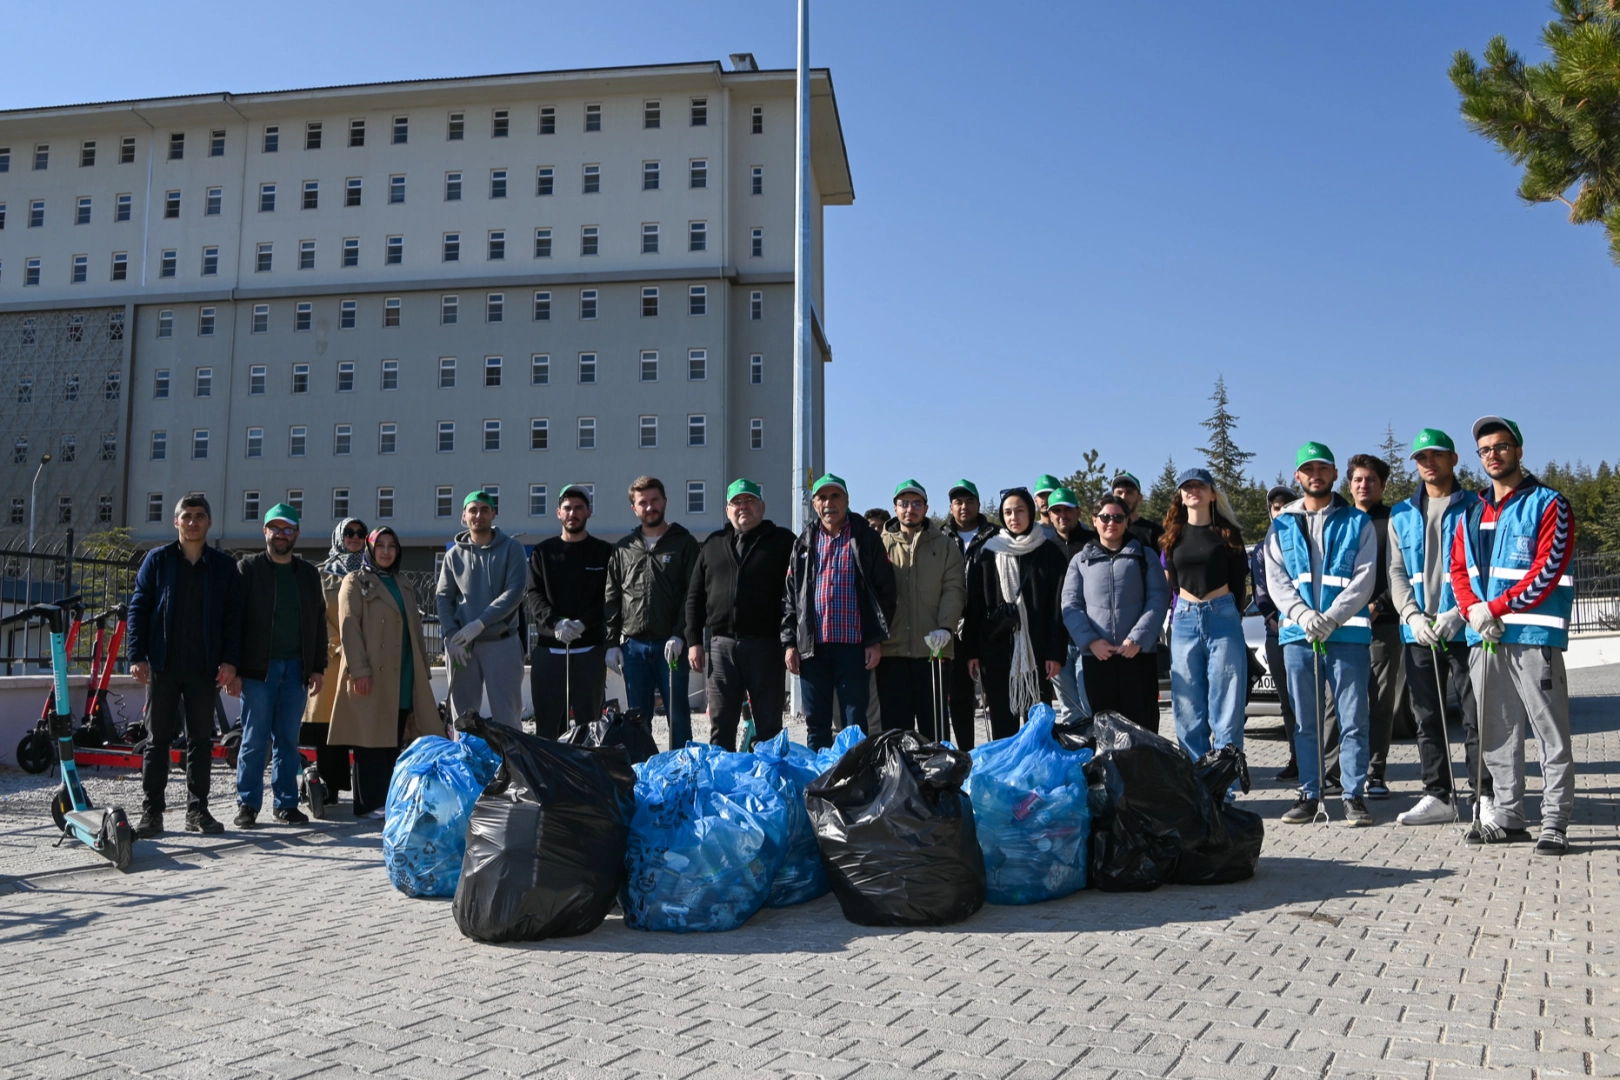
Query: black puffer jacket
pixel 739 598
pixel 1040 575
pixel 874 587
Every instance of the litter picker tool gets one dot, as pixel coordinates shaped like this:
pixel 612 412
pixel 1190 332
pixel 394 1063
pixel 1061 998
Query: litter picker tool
pixel 1440 659
pixel 1318 650
pixel 1483 829
pixel 937 700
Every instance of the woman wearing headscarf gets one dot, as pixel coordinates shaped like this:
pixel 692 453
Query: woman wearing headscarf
pixel 331 768
pixel 384 698
pixel 1208 569
pixel 1013 633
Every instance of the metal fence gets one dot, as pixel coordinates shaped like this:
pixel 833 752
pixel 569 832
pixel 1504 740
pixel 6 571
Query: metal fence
pixel 46 574
pixel 1597 592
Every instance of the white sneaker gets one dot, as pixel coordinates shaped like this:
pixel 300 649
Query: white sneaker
pixel 1428 811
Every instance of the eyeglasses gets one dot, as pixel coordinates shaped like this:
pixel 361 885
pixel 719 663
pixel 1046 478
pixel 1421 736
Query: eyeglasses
pixel 911 504
pixel 1112 519
pixel 282 530
pixel 1496 450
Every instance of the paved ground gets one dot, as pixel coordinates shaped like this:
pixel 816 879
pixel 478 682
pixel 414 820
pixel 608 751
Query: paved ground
pixel 1386 952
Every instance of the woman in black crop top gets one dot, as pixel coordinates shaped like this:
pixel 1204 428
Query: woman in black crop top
pixel 1208 571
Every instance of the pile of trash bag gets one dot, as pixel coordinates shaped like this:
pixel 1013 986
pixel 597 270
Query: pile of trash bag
pixel 1030 808
pixel 896 832
pixel 629 729
pixel 707 839
pixel 1156 818
pixel 430 798
pixel 546 841
pixel 828 756
pixel 792 767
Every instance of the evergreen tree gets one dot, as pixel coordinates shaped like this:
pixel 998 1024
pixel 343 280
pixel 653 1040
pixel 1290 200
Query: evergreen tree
pixel 1226 461
pixel 1157 503
pixel 1402 481
pixel 1560 119
pixel 1089 483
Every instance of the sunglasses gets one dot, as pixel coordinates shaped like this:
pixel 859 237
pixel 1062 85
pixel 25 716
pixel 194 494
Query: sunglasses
pixel 1112 519
pixel 351 534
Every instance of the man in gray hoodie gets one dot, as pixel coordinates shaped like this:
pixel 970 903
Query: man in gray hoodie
pixel 480 588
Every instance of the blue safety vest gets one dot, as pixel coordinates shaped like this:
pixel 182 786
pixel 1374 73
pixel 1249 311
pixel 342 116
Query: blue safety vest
pixel 1341 537
pixel 1407 522
pixel 1512 548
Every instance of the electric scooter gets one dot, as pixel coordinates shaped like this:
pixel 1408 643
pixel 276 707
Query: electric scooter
pixel 106 832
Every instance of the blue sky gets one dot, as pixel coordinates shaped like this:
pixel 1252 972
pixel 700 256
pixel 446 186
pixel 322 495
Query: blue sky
pixel 1069 217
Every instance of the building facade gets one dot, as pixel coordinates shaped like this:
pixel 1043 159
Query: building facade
pixel 367 300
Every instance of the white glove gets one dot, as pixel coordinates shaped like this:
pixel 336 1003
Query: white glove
pixel 615 660
pixel 569 631
pixel 673 649
pixel 936 640
pixel 1447 623
pixel 455 652
pixel 1422 630
pixel 1317 626
pixel 1484 623
pixel 468 634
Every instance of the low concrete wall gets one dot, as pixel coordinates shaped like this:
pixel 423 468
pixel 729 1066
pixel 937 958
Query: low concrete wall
pixel 1592 650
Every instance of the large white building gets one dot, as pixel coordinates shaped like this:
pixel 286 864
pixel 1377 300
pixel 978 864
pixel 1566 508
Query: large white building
pixel 371 299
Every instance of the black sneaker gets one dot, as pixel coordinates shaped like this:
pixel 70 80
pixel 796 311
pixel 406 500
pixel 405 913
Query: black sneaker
pixel 202 821
pixel 1331 785
pixel 246 818
pixel 1356 815
pixel 1552 842
pixel 1300 813
pixel 149 825
pixel 1376 788
pixel 291 815
pixel 1289 771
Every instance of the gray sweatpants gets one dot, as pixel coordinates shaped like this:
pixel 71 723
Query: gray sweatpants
pixel 494 668
pixel 1514 684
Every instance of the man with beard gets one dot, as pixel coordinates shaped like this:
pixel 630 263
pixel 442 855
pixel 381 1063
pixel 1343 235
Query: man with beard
pixel 1320 571
pixel 1148 531
pixel 480 588
pixel 568 597
pixel 930 593
pixel 645 609
pixel 1509 566
pixel 736 596
pixel 283 662
pixel 969 529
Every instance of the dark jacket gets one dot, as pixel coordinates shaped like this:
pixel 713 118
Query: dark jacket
pixel 1040 574
pixel 569 581
pixel 1261 603
pixel 1385 615
pixel 985 530
pixel 1070 548
pixel 646 590
pixel 874 587
pixel 1148 531
pixel 151 610
pixel 258 612
pixel 739 598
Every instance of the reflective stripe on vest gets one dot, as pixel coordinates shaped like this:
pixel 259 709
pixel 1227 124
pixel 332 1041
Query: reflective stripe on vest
pixel 1341 539
pixel 1513 537
pixel 1410 532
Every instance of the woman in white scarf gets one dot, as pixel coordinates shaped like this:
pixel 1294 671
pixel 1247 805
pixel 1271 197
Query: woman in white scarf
pixel 1013 633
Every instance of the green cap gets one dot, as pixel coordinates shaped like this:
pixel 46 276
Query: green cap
pixel 579 491
pixel 829 480
pixel 1062 496
pixel 281 512
pixel 963 485
pixel 910 485
pixel 481 496
pixel 1432 439
pixel 1123 477
pixel 1313 451
pixel 1486 421
pixel 744 486
pixel 1046 482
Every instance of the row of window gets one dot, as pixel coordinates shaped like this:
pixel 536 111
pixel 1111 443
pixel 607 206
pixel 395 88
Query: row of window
pixel 67 448
pixel 64 512
pixel 344 504
pixel 697 304
pixel 353 192
pixel 111 387
pixel 647 370
pixel 585 432
pixel 74 330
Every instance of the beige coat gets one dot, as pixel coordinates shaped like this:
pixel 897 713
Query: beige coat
pixel 370 624
pixel 930 589
pixel 318 707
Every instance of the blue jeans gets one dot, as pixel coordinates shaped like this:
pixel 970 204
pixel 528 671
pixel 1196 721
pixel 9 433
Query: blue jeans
pixel 646 669
pixel 1209 672
pixel 272 710
pixel 1071 688
pixel 834 667
pixel 1346 668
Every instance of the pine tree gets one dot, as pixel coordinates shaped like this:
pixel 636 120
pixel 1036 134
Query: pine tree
pixel 1089 483
pixel 1558 119
pixel 1227 461
pixel 1157 503
pixel 1402 483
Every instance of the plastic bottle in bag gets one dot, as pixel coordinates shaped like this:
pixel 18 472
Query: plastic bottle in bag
pixel 430 799
pixel 793 766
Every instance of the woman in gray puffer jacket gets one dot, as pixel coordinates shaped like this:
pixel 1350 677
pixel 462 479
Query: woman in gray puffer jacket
pixel 1114 602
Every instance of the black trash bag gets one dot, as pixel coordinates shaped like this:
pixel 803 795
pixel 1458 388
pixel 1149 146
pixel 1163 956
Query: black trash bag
pixel 627 729
pixel 1157 822
pixel 896 832
pixel 546 840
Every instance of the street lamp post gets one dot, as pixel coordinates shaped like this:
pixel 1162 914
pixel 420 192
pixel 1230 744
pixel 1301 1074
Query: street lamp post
pixel 33 497
pixel 803 399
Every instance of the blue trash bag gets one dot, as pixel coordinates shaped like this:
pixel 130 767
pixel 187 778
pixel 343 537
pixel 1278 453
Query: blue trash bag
pixel 430 799
pixel 1031 806
pixel 828 757
pixel 707 838
pixel 793 766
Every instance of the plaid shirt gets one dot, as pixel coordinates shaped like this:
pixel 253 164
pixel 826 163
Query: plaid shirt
pixel 838 613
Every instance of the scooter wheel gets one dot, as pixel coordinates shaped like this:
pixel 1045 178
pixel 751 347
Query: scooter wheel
pixel 61 803
pixel 314 793
pixel 122 837
pixel 34 753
